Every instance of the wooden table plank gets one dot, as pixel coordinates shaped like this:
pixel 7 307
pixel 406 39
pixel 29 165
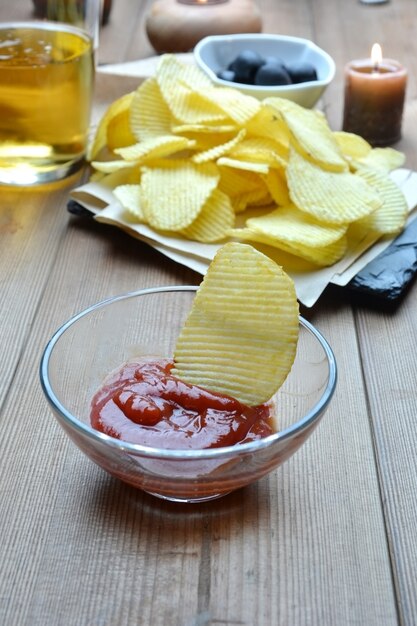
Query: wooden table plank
pixel 393 404
pixel 387 338
pixel 31 229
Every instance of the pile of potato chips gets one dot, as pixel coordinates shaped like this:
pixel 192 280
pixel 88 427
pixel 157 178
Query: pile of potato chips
pixel 212 165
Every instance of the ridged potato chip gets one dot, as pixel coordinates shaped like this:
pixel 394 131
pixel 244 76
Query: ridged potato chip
pixel 289 224
pixel 125 176
pixel 150 115
pixel 154 148
pixel 129 198
pixel 195 107
pixel 178 84
pixel 298 233
pixel 236 181
pixel 216 152
pixel 207 141
pixel 205 129
pixel 257 197
pixel 318 255
pixel 214 221
pixel 260 150
pixel 334 197
pixel 119 132
pixel 259 168
pixel 382 159
pixel 390 217
pixel 171 70
pixel 268 124
pixel 234 104
pixel 242 187
pixel 276 182
pixel 351 145
pixel 108 167
pixel 311 134
pixel 100 138
pixel 240 337
pixel 174 192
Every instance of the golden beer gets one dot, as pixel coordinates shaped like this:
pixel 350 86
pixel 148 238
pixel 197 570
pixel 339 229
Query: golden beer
pixel 46 85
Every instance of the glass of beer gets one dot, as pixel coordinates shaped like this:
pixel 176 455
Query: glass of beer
pixel 46 89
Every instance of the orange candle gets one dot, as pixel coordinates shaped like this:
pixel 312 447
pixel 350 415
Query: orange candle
pixel 374 98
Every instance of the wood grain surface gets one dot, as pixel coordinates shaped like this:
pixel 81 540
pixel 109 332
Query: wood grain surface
pixel 329 539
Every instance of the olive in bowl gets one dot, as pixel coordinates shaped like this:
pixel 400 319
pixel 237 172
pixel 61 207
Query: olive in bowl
pixel 251 68
pixel 245 66
pixel 272 73
pixel 301 71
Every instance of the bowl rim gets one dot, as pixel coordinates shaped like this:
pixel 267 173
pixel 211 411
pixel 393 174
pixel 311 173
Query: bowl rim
pixel 173 454
pixel 265 36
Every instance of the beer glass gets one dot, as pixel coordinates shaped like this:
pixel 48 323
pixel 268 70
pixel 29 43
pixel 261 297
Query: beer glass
pixel 47 53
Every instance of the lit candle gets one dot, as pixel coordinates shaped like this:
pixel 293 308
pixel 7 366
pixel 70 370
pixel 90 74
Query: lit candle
pixel 374 98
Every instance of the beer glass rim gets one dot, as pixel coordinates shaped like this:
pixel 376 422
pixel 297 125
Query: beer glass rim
pixel 46 25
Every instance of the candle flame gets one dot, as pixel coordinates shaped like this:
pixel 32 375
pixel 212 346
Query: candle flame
pixel 376 55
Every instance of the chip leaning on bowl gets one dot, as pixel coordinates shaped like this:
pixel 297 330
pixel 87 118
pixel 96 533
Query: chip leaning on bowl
pixel 234 351
pixel 207 163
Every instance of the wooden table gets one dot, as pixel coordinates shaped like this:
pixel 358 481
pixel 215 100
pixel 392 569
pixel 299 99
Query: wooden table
pixel 327 540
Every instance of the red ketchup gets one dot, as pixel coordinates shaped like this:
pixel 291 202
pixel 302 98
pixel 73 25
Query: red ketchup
pixel 144 403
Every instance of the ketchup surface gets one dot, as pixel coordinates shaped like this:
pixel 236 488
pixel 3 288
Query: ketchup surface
pixel 143 403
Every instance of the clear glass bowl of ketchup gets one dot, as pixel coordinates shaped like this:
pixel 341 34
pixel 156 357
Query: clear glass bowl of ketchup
pixel 99 340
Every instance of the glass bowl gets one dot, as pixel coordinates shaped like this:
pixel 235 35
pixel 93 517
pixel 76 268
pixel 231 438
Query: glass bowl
pixel 93 343
pixel 214 53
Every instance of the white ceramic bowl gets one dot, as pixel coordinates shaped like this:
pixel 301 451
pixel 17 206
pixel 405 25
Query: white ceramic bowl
pixel 214 53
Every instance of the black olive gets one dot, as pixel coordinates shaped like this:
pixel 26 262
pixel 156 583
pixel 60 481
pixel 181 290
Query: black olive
pixel 301 71
pixel 226 75
pixel 272 74
pixel 270 59
pixel 245 66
